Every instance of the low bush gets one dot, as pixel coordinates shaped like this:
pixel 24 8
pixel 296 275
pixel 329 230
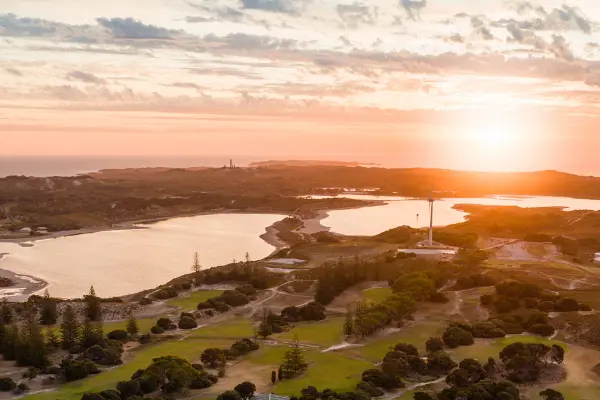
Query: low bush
pixel 186 322
pixel 157 330
pixel 118 334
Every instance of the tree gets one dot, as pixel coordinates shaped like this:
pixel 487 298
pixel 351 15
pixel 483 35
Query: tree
pixel 557 354
pixel 69 328
pixel 9 344
pixel 6 312
pixel 247 256
pixel 246 390
pixel 48 313
pixel 293 360
pixel 422 396
pixel 132 325
pixel 434 344
pixel 551 394
pixel 90 334
pixel 349 324
pixel 93 307
pixel 213 357
pixel 31 348
pixel 196 267
pixel 279 374
pixel 273 377
pixel 52 339
pixel 229 395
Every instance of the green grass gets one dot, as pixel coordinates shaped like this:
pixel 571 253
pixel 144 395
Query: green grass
pixel 416 335
pixel 191 302
pixel 326 370
pixel 324 333
pixel 482 349
pixel 143 324
pixel 142 357
pixel 377 295
pixel 583 392
pixel 240 328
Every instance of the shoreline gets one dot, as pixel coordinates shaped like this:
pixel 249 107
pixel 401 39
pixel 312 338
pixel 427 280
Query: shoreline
pixel 30 284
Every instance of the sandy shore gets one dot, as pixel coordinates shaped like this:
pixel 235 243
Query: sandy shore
pixel 24 285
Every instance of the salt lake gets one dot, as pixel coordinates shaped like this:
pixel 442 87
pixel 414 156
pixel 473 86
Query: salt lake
pixel 128 261
pixel 403 211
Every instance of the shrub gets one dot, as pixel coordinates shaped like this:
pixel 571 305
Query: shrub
pixel 164 323
pixel 109 355
pixel 78 369
pixel 157 330
pixel 128 388
pixel 149 383
pixel 187 314
pixel 7 384
pixel 187 323
pixel 145 338
pixel 92 396
pixel 186 285
pixel 23 387
pixel 546 306
pixel 566 305
pixel 487 330
pixel 542 329
pixel 439 297
pixel 434 344
pixel 204 306
pixel 144 301
pixel 110 395
pixel 370 389
pixel 118 334
pixel 454 336
pixel 234 298
pixel 246 289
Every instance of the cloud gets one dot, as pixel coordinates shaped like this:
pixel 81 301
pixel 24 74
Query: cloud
pixel 11 25
pixel 355 14
pixel 185 85
pixel 129 28
pixel 248 42
pixel 278 6
pixel 560 48
pixel 564 18
pixel 413 8
pixel 85 77
pixel 13 71
pixel 481 29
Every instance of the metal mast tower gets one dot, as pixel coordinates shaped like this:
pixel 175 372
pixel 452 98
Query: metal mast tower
pixel 431 200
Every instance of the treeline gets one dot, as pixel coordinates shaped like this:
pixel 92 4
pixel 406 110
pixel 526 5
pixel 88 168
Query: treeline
pixel 510 296
pixel 167 375
pixel 274 323
pixel 335 277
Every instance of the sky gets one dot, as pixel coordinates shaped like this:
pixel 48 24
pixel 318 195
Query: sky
pixel 461 84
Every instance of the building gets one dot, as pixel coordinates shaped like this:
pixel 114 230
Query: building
pixel 597 258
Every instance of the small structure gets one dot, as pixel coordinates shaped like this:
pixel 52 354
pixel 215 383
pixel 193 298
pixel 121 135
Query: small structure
pixel 597 258
pixel 270 396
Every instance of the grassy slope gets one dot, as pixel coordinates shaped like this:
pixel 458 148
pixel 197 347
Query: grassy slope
pixel 142 357
pixel 377 295
pixel 326 370
pixel 190 302
pixel 323 333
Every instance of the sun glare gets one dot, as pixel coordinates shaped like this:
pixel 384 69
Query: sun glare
pixel 494 136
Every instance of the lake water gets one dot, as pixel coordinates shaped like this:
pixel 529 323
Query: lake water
pixel 403 211
pixel 123 262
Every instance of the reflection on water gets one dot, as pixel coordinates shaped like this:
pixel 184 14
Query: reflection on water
pixel 122 262
pixel 403 211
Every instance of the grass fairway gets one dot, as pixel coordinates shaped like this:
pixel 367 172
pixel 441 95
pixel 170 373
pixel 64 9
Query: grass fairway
pixel 583 392
pixel 326 370
pixel 483 349
pixel 415 335
pixel 142 357
pixel 377 295
pixel 324 333
pixel 240 328
pixel 143 324
pixel 191 301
